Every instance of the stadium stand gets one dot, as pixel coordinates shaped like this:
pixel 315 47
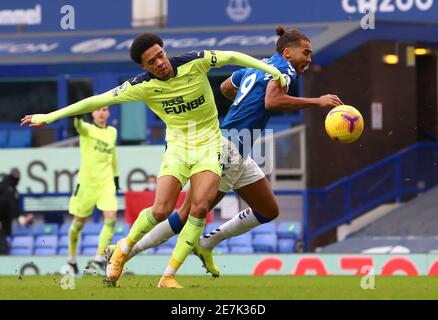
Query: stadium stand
pixel 19 138
pixel 52 239
pixel 3 138
pixel 411 228
pixel 22 246
pixel 266 242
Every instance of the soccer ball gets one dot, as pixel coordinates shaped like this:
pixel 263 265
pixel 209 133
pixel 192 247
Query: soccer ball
pixel 344 124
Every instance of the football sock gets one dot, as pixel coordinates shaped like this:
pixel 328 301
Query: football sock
pixel 105 236
pixel 73 236
pixel 239 224
pixel 159 234
pixel 142 225
pixel 190 233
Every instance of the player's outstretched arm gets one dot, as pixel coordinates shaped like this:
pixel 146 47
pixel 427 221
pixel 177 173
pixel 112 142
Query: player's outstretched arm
pixel 84 106
pixel 241 59
pixel 277 100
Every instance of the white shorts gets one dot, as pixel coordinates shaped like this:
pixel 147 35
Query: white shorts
pixel 237 172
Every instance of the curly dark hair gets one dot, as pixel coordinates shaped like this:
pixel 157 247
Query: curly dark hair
pixel 142 43
pixel 288 38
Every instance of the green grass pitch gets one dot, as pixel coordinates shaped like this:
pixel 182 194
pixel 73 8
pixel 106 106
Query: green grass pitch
pixel 226 287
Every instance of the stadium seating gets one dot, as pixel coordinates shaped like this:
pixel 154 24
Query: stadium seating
pixel 223 244
pixel 46 245
pixel 116 238
pixel 46 241
pixel 241 241
pixel 46 229
pixel 122 229
pixel 289 229
pixel 18 230
pixel 19 138
pixel 20 252
pixel 89 251
pixel 63 241
pixel 242 250
pixel 51 239
pixel 45 251
pixel 92 229
pixel 63 251
pixel 286 246
pixel 90 240
pixel 3 138
pixel 265 243
pixel 265 228
pixel 22 246
pixel 63 230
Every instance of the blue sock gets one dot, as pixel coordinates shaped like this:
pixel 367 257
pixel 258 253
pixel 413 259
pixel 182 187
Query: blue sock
pixel 175 222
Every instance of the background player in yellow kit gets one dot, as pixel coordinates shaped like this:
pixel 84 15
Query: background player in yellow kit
pixel 96 185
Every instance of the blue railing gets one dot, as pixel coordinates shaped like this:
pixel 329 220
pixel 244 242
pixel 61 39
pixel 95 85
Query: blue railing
pixel 408 172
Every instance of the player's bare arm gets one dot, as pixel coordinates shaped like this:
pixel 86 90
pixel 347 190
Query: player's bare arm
pixel 228 90
pixel 276 99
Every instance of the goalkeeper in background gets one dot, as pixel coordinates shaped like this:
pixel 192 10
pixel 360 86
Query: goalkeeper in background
pixel 96 186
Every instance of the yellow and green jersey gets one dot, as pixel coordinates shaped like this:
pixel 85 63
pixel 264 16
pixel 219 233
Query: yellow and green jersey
pixel 185 102
pixel 98 153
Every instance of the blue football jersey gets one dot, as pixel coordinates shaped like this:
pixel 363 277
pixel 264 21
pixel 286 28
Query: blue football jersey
pixel 248 109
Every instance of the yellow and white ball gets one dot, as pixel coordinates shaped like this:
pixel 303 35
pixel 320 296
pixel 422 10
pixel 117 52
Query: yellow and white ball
pixel 344 124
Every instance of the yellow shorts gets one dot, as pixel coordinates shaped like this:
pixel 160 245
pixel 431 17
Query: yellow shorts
pixel 84 199
pixel 182 163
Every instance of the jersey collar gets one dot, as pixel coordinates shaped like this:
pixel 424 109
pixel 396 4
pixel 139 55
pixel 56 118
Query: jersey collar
pixel 174 67
pixel 106 126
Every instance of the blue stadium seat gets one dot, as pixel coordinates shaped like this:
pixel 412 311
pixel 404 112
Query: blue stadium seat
pixel 116 238
pixel 22 242
pixel 46 242
pixel 289 230
pixel 242 240
pixel 241 250
pixel 223 244
pixel 90 240
pixel 286 245
pixel 92 228
pixel 3 138
pixel 46 229
pixel 89 251
pixel 20 252
pixel 64 229
pixel 264 228
pixel 265 242
pixel 164 250
pixel 63 251
pixel 21 231
pixel 122 229
pixel 19 138
pixel 63 241
pixel 45 251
